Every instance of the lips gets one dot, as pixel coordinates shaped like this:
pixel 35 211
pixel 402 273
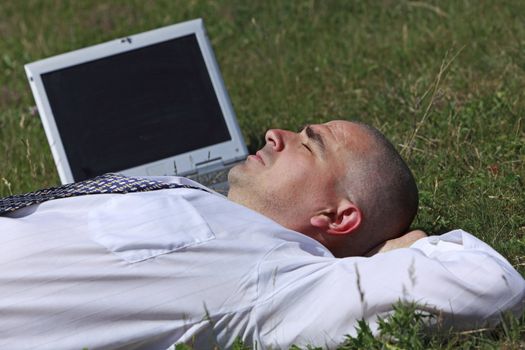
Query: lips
pixel 257 157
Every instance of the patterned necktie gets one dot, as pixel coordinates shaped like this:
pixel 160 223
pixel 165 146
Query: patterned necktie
pixel 107 183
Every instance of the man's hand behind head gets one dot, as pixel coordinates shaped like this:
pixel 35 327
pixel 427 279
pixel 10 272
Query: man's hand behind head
pixel 404 241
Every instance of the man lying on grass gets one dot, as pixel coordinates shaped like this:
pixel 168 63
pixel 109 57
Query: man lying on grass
pixel 281 261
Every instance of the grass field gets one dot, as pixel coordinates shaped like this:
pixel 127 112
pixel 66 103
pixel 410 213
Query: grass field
pixel 445 80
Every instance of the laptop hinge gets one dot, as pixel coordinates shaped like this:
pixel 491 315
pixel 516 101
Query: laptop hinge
pixel 208 165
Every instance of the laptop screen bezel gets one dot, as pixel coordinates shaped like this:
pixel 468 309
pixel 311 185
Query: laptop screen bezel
pixel 180 164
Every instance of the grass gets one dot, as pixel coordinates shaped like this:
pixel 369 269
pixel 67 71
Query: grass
pixel 444 80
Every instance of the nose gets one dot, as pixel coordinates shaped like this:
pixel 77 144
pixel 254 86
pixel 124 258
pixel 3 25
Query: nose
pixel 276 138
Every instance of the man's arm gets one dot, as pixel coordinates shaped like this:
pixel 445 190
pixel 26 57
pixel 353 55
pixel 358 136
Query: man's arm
pixel 462 280
pixel 404 241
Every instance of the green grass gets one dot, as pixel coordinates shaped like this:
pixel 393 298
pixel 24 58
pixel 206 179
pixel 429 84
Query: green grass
pixel 287 63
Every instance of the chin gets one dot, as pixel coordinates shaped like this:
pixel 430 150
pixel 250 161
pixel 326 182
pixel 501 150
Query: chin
pixel 238 180
pixel 233 174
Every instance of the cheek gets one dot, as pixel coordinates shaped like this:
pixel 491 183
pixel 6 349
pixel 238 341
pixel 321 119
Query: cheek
pixel 293 174
pixel 298 181
pixel 277 182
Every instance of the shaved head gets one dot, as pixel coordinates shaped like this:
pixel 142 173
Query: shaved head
pixel 382 185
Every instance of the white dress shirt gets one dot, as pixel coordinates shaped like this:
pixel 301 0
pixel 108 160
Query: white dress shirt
pixel 147 270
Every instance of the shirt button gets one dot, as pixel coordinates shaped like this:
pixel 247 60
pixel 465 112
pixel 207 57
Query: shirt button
pixel 433 240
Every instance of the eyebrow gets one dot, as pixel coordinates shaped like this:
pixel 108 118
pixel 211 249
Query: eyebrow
pixel 315 137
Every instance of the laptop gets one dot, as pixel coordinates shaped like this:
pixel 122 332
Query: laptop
pixel 147 104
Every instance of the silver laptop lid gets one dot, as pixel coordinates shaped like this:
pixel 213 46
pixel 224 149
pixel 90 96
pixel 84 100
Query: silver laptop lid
pixel 148 104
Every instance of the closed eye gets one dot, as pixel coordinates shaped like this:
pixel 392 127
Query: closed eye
pixel 308 148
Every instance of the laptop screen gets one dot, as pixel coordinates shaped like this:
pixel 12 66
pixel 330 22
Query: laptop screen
pixel 135 107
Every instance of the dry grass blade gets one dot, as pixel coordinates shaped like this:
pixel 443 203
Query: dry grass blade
pixel 434 87
pixel 424 5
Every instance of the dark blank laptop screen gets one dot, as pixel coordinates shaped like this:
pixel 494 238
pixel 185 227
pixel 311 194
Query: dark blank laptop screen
pixel 136 107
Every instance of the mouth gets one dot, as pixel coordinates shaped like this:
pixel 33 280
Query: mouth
pixel 257 157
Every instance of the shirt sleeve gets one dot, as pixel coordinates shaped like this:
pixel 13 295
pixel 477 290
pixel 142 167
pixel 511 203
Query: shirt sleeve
pixel 317 301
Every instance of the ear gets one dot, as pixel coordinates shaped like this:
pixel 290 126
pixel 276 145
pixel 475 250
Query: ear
pixel 345 220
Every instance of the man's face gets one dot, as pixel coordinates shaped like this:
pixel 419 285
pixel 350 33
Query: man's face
pixel 297 174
